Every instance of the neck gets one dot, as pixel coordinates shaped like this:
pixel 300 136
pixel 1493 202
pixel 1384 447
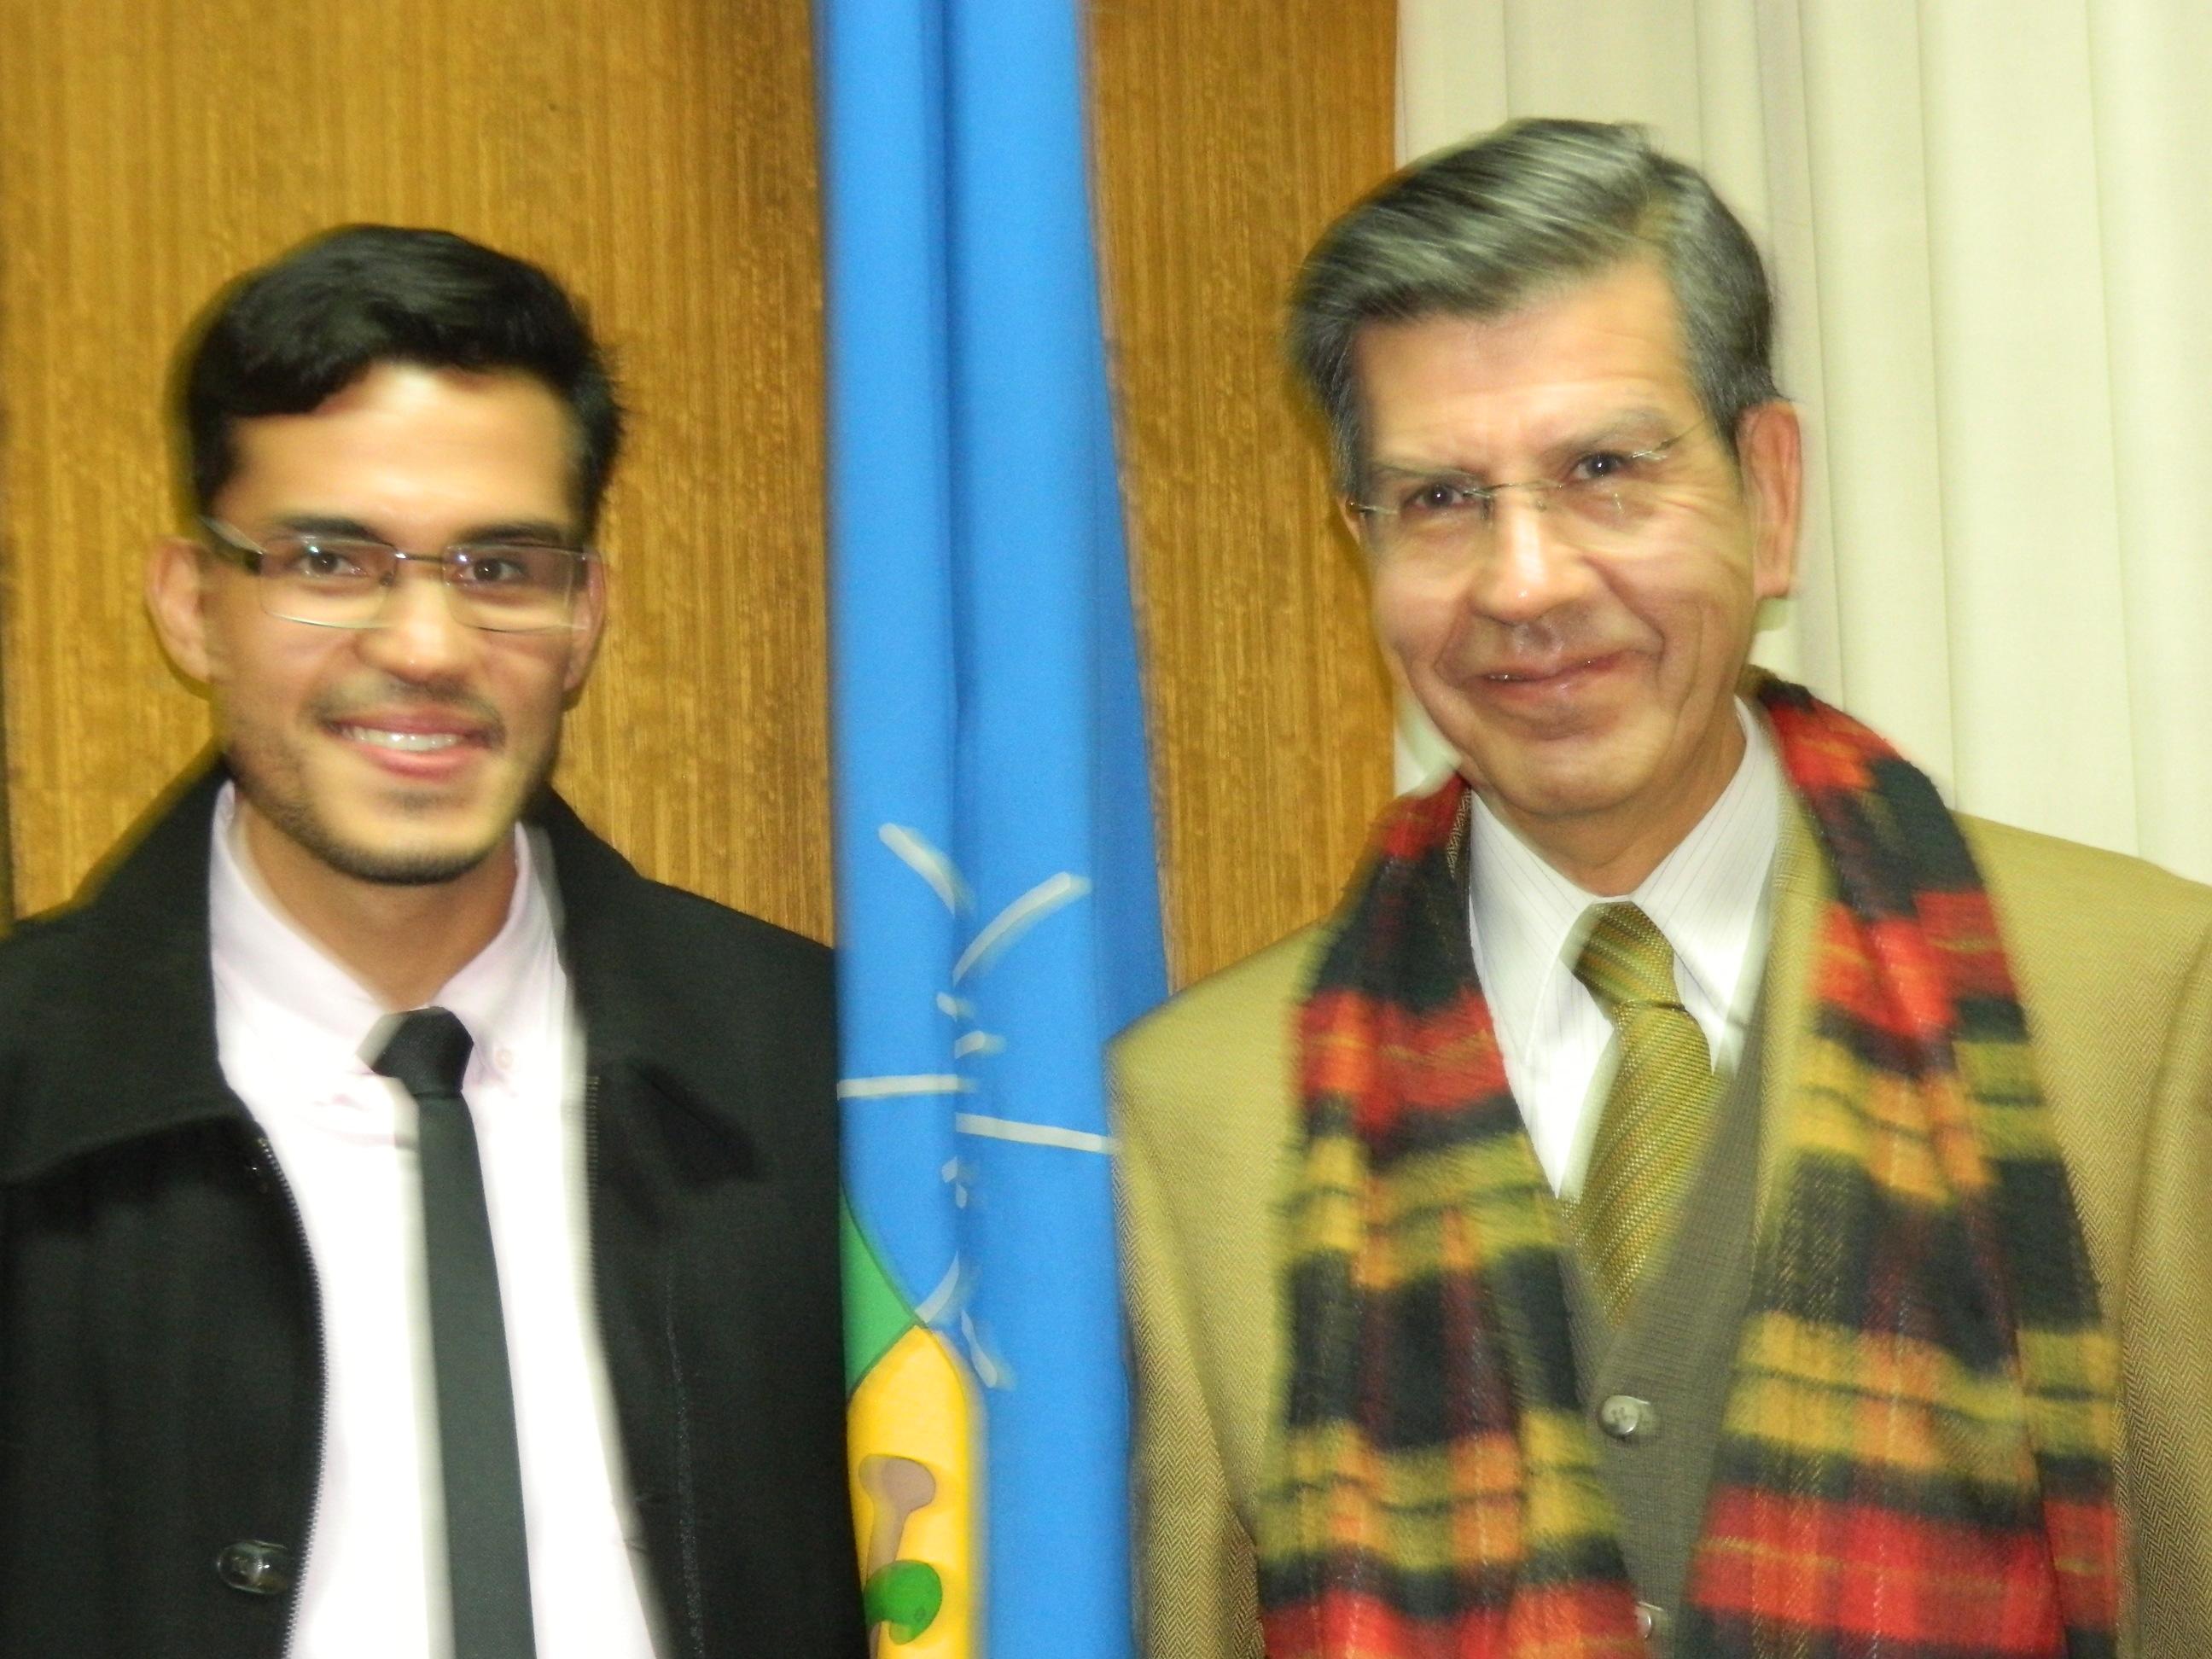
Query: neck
pixel 1603 865
pixel 402 942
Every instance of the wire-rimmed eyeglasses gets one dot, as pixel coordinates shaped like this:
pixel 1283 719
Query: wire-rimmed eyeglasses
pixel 344 582
pixel 1605 497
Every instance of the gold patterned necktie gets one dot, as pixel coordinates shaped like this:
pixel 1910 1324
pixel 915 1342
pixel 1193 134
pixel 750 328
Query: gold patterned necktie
pixel 1656 1114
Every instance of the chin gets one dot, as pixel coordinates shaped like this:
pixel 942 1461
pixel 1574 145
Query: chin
pixel 1580 767
pixel 1587 786
pixel 428 866
pixel 403 857
pixel 1543 803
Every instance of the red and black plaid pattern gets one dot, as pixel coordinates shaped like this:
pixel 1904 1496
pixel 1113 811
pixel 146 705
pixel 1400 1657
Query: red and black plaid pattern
pixel 1916 1458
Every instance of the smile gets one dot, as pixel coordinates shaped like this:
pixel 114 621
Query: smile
pixel 1545 676
pixel 408 743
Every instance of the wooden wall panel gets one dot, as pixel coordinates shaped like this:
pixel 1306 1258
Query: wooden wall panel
pixel 658 154
pixel 1227 134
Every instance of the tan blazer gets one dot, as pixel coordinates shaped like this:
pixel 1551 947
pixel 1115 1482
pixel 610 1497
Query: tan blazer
pixel 2114 961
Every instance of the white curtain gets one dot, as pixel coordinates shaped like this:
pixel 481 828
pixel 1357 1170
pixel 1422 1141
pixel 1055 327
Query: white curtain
pixel 1989 222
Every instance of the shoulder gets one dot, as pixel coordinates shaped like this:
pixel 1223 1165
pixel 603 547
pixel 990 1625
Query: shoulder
pixel 1212 1073
pixel 2037 872
pixel 724 1012
pixel 621 925
pixel 1219 1024
pixel 718 938
pixel 37 957
pixel 148 891
pixel 35 944
pixel 710 988
pixel 2085 926
pixel 1268 983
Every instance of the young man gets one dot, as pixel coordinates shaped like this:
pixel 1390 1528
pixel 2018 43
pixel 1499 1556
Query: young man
pixel 1697 1195
pixel 509 1325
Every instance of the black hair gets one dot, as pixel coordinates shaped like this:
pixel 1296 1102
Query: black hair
pixel 281 339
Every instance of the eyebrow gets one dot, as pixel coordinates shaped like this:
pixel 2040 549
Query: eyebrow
pixel 1642 427
pixel 545 531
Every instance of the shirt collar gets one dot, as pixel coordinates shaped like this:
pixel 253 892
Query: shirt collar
pixel 262 952
pixel 1706 896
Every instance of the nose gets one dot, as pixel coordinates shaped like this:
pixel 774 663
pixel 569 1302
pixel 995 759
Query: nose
pixel 1529 568
pixel 417 637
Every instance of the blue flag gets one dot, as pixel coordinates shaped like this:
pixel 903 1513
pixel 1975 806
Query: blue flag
pixel 998 914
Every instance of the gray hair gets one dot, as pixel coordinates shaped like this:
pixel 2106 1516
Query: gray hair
pixel 1483 229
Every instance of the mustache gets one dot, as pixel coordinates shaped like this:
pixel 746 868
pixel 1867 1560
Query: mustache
pixel 1553 634
pixel 1551 638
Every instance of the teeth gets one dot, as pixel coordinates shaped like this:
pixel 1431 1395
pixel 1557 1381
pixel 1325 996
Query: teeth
pixel 412 743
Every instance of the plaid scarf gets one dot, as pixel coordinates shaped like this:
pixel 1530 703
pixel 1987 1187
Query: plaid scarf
pixel 1917 1456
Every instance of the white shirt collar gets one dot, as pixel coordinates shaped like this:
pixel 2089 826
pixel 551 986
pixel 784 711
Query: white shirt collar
pixel 1709 894
pixel 266 956
pixel 1706 895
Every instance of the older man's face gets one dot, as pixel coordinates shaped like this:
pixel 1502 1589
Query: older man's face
pixel 1583 677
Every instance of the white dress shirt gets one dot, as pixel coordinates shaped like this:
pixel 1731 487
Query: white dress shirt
pixel 290 1025
pixel 1708 896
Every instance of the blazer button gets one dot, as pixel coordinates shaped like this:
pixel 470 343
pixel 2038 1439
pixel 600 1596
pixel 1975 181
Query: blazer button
pixel 257 1568
pixel 1651 1623
pixel 1625 1416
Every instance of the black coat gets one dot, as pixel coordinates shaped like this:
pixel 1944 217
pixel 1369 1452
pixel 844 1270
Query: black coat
pixel 161 1388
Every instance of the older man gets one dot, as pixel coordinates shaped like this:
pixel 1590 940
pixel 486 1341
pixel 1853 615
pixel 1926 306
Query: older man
pixel 1697 1194
pixel 417 1230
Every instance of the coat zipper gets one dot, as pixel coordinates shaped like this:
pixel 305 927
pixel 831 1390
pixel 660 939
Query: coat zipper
pixel 265 1161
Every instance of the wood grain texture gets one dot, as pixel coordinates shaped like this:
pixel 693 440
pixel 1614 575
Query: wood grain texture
pixel 1227 136
pixel 656 154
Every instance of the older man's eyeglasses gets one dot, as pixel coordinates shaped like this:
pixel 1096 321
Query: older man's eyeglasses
pixel 1603 499
pixel 343 581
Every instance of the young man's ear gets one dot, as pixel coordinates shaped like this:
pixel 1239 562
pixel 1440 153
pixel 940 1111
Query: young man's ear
pixel 590 622
pixel 176 600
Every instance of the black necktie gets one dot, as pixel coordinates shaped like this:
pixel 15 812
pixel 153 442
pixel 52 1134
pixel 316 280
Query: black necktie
pixel 487 1559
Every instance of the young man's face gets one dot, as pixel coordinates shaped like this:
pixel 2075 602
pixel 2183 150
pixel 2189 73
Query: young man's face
pixel 402 752
pixel 1585 682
